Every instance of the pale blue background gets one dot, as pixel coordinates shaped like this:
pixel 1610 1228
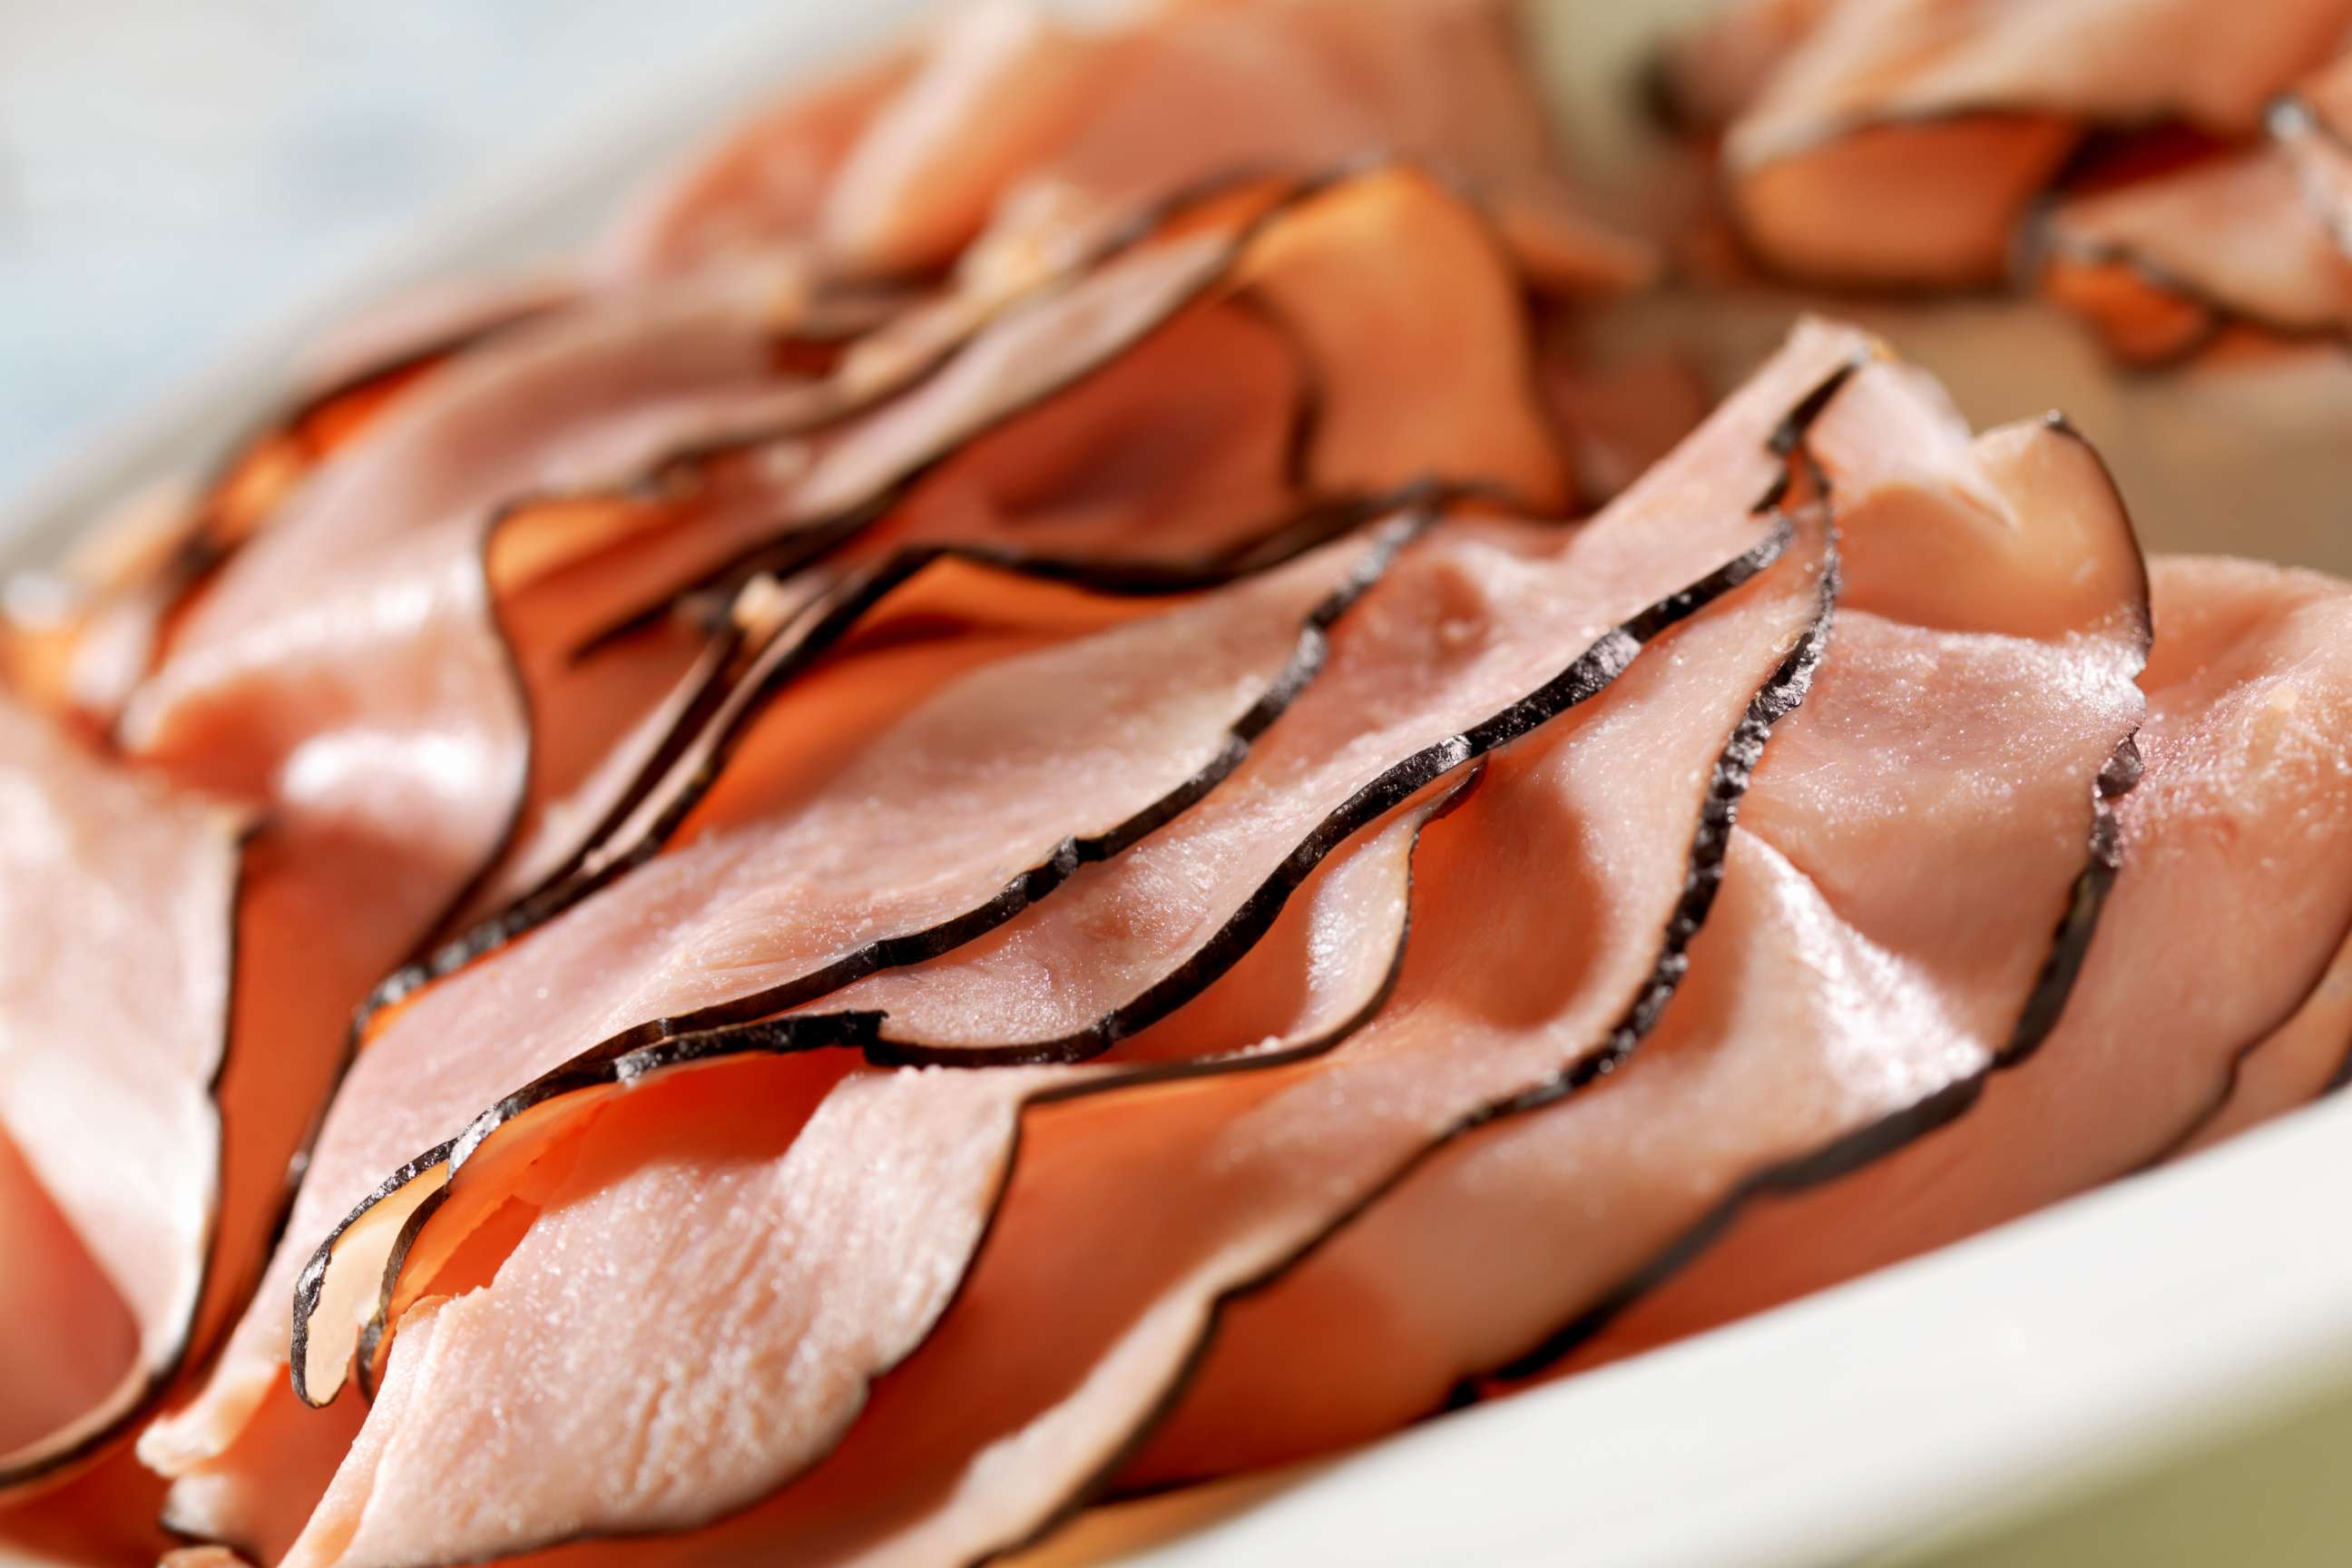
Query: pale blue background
pixel 173 173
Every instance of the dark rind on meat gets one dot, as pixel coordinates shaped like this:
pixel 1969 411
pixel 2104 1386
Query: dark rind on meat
pixel 1590 675
pixel 1305 662
pixel 2047 243
pixel 801 543
pixel 809 541
pixel 151 1393
pixel 199 554
pixel 2043 240
pixel 805 545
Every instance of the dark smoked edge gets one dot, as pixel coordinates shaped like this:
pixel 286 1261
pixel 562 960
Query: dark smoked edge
pixel 2288 120
pixel 797 545
pixel 1386 544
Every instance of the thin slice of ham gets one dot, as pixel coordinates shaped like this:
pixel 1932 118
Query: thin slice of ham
pixel 141 567
pixel 2250 689
pixel 2160 266
pixel 1902 141
pixel 119 904
pixel 1026 126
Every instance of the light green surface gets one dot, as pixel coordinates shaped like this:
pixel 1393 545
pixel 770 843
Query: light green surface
pixel 2277 1497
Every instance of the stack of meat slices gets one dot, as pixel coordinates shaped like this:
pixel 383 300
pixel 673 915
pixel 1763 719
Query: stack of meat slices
pixel 972 828
pixel 2177 173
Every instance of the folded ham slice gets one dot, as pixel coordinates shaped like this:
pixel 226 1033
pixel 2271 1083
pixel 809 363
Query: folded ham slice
pixel 2243 766
pixel 1011 122
pixel 120 905
pixel 141 567
pixel 2163 265
pixel 1900 142
pixel 768 1182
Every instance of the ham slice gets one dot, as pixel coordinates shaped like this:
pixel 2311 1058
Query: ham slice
pixel 1903 139
pixel 2161 265
pixel 120 902
pixel 142 566
pixel 2247 692
pixel 1501 602
pixel 1010 120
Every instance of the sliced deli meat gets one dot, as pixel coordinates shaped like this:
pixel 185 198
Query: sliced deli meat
pixel 1082 774
pixel 1727 467
pixel 121 908
pixel 768 1188
pixel 1901 141
pixel 1830 997
pixel 2254 243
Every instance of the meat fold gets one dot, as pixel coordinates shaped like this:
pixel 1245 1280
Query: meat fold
pixel 1900 141
pixel 119 907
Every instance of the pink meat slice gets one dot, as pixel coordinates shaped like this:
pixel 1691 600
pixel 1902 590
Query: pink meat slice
pixel 2249 691
pixel 119 901
pixel 2234 239
pixel 1902 139
pixel 1707 485
pixel 2304 1059
pixel 766 1184
pixel 72 1340
pixel 1031 126
pixel 1910 843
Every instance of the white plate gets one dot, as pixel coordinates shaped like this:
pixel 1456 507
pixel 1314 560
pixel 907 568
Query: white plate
pixel 1993 1376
